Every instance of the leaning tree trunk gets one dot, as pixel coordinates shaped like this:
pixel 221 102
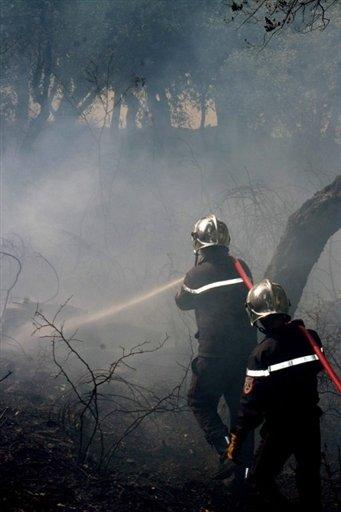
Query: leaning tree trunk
pixel 307 232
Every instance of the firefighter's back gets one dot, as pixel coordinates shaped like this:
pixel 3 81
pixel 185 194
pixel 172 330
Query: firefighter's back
pixel 287 359
pixel 218 296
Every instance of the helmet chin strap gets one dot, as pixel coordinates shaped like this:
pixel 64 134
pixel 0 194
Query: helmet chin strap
pixel 261 329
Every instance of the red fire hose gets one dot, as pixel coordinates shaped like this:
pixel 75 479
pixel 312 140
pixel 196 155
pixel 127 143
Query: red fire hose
pixel 241 272
pixel 324 361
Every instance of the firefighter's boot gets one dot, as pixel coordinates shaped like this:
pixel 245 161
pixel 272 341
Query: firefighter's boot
pixel 226 469
pixel 220 443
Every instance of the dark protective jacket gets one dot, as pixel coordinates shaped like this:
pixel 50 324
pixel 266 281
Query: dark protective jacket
pixel 281 381
pixel 217 294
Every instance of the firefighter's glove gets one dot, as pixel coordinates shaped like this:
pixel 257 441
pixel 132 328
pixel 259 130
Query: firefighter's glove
pixel 233 448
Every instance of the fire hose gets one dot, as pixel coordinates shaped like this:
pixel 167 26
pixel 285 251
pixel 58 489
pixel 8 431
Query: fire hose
pixel 322 358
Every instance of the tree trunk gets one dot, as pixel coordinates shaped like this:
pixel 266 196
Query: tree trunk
pixel 203 107
pixel 115 119
pixel 133 107
pixel 159 109
pixel 23 97
pixel 307 232
pixel 41 81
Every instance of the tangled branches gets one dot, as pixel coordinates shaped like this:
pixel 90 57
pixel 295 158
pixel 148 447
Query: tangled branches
pixel 11 268
pixel 257 212
pixel 104 406
pixel 276 15
pixel 14 280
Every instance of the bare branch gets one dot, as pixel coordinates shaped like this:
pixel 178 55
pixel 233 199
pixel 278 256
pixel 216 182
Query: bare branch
pixel 7 375
pixel 104 396
pixel 13 283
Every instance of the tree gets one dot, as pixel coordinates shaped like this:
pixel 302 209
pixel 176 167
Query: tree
pixel 57 64
pixel 307 232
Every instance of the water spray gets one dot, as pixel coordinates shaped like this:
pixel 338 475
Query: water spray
pixel 25 331
pixel 117 308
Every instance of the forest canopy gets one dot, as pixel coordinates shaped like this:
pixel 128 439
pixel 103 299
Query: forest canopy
pixel 140 63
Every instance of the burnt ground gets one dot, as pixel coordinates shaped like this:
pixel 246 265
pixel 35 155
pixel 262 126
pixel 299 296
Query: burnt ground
pixel 164 466
pixel 39 472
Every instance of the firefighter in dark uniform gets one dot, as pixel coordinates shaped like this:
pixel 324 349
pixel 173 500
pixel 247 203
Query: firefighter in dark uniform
pixel 217 294
pixel 280 392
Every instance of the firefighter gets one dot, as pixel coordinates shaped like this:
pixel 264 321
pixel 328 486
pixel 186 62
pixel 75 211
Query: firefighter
pixel 217 294
pixel 280 392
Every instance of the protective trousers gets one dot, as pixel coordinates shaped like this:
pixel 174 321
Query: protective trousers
pixel 301 439
pixel 212 379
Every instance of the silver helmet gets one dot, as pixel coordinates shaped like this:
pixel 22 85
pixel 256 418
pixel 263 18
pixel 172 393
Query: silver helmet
pixel 209 231
pixel 266 298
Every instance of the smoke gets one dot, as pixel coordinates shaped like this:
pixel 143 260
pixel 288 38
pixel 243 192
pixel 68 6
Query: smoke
pixel 100 216
pixel 113 214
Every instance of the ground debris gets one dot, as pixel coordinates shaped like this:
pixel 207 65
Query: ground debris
pixel 39 473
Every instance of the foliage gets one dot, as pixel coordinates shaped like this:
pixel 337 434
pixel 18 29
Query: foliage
pixel 59 58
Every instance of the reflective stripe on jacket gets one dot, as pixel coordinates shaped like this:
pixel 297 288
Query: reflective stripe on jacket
pixel 281 379
pixel 217 294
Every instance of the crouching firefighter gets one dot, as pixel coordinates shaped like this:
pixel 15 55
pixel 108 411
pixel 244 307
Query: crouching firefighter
pixel 280 392
pixel 216 292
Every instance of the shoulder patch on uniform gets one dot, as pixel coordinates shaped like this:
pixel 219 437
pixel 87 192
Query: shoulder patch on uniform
pixel 248 385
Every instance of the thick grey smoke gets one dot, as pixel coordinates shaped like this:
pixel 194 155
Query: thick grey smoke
pixel 114 218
